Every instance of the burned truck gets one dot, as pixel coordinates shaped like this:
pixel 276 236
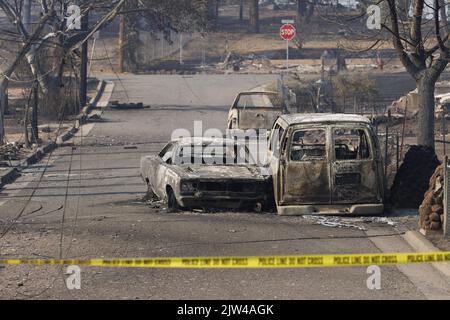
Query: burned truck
pixel 254 110
pixel 326 164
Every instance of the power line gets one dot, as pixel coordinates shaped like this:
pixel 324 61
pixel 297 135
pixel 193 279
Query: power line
pixel 113 70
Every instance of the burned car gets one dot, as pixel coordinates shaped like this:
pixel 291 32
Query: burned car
pixel 205 173
pixel 254 110
pixel 326 163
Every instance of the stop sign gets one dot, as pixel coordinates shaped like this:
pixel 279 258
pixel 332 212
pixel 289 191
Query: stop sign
pixel 287 32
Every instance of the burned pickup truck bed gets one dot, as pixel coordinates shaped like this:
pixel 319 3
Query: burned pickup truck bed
pixel 254 110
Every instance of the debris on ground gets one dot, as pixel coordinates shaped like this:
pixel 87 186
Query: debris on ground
pixel 47 129
pixel 334 222
pixel 94 117
pixel 349 222
pixel 11 151
pixel 156 204
pixel 238 62
pixel 125 106
pixel 412 179
pixel 380 220
pixel 431 211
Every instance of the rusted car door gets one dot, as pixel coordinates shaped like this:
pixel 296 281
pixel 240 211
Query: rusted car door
pixel 304 167
pixel 354 175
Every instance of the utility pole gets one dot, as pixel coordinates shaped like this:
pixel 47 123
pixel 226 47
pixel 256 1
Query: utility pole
pixel 241 11
pixel 26 20
pixel 216 13
pixel 181 48
pixel 122 43
pixel 34 114
pixel 254 15
pixel 84 63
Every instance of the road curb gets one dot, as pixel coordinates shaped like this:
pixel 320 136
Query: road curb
pixel 9 177
pixel 36 156
pixel 421 244
pixel 82 117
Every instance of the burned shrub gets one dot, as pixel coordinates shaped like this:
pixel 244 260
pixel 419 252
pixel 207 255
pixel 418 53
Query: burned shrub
pixel 412 179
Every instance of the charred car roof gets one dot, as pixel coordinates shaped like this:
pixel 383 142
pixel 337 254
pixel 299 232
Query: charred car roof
pixel 204 140
pixel 320 118
pixel 258 92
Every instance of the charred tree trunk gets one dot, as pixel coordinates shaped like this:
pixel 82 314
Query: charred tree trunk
pixel 3 107
pixel 301 11
pixel 254 15
pixel 310 11
pixel 122 44
pixel 425 87
pixel 34 114
pixel 217 9
pixel 241 10
pixel 424 65
pixel 301 7
pixel 212 10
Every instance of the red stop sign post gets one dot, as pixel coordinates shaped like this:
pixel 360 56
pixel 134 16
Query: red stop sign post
pixel 288 33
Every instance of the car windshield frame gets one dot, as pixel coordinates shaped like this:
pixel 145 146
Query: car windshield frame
pixel 178 159
pixel 252 107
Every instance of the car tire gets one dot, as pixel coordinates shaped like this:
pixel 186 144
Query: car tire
pixel 172 203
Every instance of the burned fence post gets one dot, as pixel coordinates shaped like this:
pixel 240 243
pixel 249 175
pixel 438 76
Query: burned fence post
pixel 34 114
pixel 397 150
pixel 386 145
pixel 444 109
pixel 446 222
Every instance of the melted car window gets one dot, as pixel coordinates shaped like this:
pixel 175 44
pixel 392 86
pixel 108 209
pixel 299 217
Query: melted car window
pixel 351 144
pixel 308 145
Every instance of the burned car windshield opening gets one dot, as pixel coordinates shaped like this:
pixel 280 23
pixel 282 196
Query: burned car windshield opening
pixel 213 154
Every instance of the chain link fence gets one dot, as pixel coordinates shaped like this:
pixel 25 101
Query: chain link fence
pixel 154 47
pixel 391 150
pixel 178 51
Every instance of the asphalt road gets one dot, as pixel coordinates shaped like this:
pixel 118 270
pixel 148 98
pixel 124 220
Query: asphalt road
pixel 85 201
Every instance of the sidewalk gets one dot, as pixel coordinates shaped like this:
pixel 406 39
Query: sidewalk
pixel 25 157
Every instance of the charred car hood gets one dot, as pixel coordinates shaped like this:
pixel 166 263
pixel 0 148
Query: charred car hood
pixel 220 172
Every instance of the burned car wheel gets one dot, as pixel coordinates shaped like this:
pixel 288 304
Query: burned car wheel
pixel 172 203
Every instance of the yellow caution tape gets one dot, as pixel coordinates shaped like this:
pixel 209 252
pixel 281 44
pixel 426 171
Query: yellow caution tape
pixel 302 261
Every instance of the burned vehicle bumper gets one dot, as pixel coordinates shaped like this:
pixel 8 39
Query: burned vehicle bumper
pixel 216 194
pixel 351 209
